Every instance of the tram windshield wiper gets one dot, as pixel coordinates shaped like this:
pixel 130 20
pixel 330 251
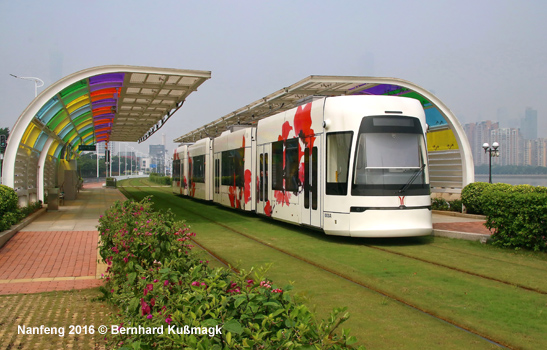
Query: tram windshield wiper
pixel 412 179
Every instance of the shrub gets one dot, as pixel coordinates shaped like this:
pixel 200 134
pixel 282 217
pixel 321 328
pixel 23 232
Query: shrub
pixel 456 205
pixel 471 196
pixel 518 219
pixel 111 182
pixel 439 204
pixel 159 179
pixel 31 208
pixel 157 281
pixel 10 213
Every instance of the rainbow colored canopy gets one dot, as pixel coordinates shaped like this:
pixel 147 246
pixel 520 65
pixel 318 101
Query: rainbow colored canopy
pixel 114 106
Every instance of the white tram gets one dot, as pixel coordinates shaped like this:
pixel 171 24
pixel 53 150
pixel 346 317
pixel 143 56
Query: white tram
pixel 347 165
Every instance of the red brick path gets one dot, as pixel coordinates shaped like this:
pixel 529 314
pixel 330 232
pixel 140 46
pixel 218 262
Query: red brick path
pixel 33 262
pixel 469 227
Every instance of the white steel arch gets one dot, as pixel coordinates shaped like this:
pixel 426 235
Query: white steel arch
pixel 99 104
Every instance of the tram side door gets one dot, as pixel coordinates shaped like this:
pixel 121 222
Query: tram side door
pixel 311 208
pixel 262 188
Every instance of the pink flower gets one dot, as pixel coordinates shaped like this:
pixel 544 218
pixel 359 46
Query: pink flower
pixel 148 288
pixel 166 283
pixel 168 320
pixel 195 283
pixel 149 317
pixel 145 307
pixel 277 290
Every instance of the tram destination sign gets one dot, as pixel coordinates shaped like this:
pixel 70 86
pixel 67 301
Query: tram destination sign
pixel 87 148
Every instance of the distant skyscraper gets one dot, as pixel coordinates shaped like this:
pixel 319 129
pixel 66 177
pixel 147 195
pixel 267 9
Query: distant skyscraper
pixel 529 125
pixel 511 146
pixel 478 134
pixel 157 156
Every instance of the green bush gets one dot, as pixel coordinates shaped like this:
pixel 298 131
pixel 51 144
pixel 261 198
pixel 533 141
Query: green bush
pixel 10 213
pixel 471 195
pixel 456 205
pixel 31 208
pixel 111 182
pixel 439 204
pixel 157 281
pixel 160 179
pixel 519 219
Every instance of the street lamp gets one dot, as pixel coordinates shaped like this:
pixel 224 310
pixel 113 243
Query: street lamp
pixel 37 82
pixel 493 152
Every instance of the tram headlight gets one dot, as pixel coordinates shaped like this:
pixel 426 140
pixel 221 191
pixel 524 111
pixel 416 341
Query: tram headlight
pixel 326 123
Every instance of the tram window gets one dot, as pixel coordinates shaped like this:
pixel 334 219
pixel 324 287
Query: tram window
pixel 217 175
pixel 285 152
pixel 314 182
pixel 176 169
pixel 266 177
pixel 233 167
pixel 291 165
pixel 277 165
pixel 198 169
pixel 338 151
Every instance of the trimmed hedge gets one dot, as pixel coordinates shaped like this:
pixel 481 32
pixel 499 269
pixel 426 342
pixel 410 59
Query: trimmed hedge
pixel 160 179
pixel 517 214
pixel 157 282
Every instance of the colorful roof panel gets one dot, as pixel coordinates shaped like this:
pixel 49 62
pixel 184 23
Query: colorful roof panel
pixel 114 106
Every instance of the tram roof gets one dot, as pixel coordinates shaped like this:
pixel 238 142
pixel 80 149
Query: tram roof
pixel 302 92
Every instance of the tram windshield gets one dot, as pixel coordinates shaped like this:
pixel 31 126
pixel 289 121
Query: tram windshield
pixel 390 157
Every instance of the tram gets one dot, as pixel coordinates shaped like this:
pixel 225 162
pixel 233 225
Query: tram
pixel 347 165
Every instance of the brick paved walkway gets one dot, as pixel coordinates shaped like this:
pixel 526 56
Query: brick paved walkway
pixel 58 250
pixel 469 227
pixel 33 262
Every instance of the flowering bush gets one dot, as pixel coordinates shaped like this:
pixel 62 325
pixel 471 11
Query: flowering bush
pixel 161 286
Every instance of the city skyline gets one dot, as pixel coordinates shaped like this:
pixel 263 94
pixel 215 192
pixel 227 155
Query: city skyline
pixel 517 145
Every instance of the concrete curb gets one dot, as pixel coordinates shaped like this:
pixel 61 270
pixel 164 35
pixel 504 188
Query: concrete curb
pixel 463 235
pixel 6 235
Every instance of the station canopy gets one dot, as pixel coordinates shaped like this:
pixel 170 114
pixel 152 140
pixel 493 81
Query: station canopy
pixel 100 104
pixel 451 162
pixel 118 106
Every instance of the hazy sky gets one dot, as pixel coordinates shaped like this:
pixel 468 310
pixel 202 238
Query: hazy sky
pixel 476 56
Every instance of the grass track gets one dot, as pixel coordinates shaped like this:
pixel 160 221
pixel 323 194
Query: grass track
pixel 505 313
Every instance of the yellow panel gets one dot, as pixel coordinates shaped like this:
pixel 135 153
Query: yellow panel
pixel 84 136
pixel 75 106
pixel 84 124
pixel 52 148
pixel 33 136
pixel 61 126
pixel 72 138
pixel 442 140
pixel 27 133
pixel 78 100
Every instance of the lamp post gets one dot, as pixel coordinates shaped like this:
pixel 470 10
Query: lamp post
pixel 37 82
pixel 493 152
